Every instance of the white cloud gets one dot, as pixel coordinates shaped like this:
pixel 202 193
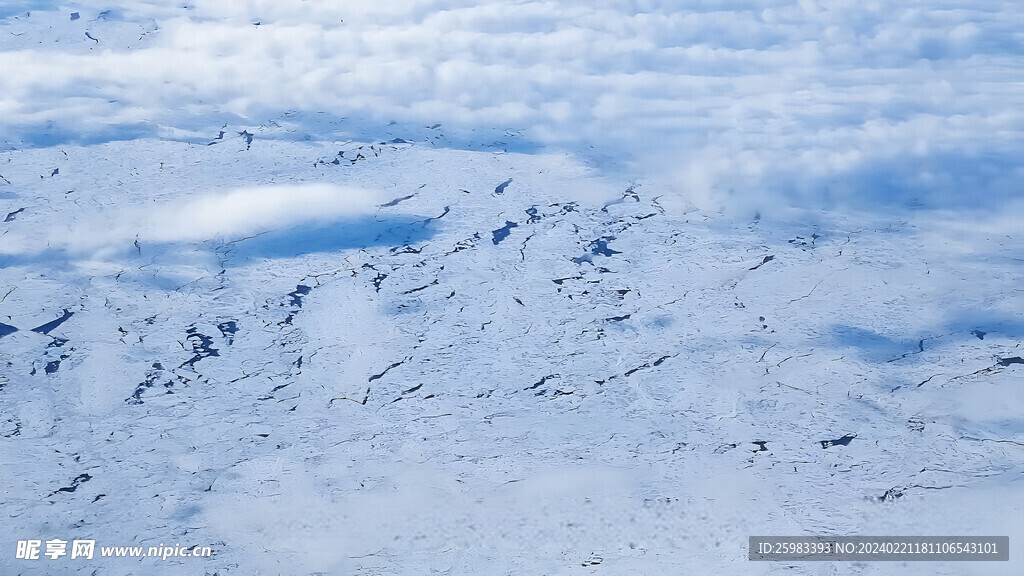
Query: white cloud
pixel 872 101
pixel 248 210
pixel 106 228
pixel 227 215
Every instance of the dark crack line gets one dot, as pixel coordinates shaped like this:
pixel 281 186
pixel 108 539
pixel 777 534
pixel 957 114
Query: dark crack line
pixel 381 375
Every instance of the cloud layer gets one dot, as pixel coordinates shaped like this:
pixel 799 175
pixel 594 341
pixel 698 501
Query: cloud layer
pixel 811 102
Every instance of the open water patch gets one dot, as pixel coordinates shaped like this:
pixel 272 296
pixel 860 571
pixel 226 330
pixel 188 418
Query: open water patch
pixel 503 232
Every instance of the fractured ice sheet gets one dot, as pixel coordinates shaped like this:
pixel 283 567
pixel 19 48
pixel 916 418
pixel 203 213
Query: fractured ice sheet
pixel 389 392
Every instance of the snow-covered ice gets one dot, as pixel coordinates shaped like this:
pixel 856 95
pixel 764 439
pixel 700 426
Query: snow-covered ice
pixel 622 384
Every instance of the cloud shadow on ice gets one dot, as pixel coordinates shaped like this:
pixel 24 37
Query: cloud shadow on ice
pixel 985 324
pixel 348 233
pixel 50 135
pixel 966 327
pixel 873 346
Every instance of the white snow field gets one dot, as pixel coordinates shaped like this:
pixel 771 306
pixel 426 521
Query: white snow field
pixel 465 381
pixel 320 343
